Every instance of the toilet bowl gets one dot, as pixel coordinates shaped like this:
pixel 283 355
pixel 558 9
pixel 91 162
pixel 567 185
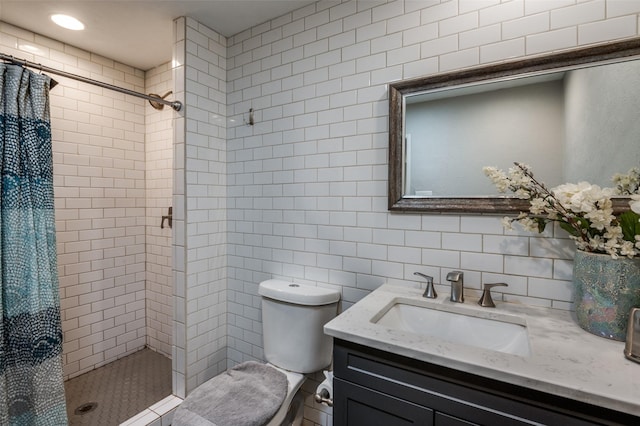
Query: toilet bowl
pixel 288 409
pixel 293 317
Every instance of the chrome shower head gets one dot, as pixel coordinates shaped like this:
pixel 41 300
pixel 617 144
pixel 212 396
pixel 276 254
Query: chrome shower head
pixel 158 105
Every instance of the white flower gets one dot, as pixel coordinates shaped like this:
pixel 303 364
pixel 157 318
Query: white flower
pixel 600 218
pixel 552 214
pixel 522 193
pixel 498 177
pixel 596 243
pixel 582 197
pixel 529 224
pixel 584 210
pixel 580 244
pixel 507 223
pixel 613 233
pixel 627 249
pixel 627 184
pixel 538 206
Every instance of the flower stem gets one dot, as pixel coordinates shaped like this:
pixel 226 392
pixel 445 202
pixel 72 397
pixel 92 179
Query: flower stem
pixel 542 189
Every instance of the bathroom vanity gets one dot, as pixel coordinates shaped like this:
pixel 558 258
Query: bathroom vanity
pixel 399 368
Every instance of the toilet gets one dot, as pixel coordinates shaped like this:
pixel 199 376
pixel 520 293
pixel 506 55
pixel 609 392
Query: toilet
pixel 293 317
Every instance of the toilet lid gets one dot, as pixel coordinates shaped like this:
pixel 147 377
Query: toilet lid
pixel 249 394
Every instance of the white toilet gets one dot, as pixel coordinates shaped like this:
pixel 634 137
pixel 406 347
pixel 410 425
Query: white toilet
pixel 293 317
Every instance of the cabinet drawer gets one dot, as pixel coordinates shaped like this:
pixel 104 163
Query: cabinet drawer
pixel 359 406
pixel 446 420
pixel 459 395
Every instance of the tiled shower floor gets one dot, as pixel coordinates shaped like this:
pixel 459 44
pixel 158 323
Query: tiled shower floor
pixel 122 389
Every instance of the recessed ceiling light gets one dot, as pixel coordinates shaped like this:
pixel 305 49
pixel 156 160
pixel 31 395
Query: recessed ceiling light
pixel 68 22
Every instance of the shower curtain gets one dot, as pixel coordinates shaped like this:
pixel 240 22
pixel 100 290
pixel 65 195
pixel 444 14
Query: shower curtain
pixel 31 386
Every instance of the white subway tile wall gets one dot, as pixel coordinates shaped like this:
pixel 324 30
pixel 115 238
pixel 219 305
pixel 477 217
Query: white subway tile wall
pixel 200 199
pixel 159 197
pixel 299 195
pixel 99 178
pixel 307 183
pixel 179 207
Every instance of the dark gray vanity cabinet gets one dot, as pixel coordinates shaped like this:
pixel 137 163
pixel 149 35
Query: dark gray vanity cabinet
pixel 376 388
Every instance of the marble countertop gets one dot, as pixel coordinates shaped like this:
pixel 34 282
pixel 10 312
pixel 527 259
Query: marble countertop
pixel 564 360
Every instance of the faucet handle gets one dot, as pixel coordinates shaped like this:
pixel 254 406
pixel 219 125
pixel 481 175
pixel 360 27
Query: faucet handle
pixel 430 291
pixel 454 275
pixel 486 300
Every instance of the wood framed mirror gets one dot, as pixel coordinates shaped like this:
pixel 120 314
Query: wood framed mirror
pixel 454 100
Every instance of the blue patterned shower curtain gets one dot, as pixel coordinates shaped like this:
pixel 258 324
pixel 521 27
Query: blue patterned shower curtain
pixel 31 386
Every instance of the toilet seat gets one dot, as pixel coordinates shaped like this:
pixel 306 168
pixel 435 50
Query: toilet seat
pixel 217 399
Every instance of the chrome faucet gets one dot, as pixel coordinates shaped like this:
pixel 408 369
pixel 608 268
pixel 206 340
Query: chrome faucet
pixel 457 286
pixel 430 292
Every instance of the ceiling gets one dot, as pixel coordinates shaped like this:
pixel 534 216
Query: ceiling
pixel 139 33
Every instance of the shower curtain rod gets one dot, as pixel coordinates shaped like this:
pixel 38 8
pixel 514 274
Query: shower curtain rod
pixel 176 105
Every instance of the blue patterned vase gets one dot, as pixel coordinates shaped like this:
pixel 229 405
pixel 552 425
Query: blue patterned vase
pixel 605 291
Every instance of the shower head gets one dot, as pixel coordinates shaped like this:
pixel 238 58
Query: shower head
pixel 158 105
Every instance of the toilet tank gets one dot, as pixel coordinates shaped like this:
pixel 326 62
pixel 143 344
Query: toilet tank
pixel 293 317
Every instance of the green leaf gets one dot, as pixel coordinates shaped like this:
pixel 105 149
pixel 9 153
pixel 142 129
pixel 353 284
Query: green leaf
pixel 630 224
pixel 570 229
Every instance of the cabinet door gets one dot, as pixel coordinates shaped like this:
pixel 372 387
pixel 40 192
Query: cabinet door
pixel 355 405
pixel 462 396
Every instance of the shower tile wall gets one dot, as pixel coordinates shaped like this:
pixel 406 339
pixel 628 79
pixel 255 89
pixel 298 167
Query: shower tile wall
pixel 99 169
pixel 200 198
pixel 99 177
pixel 179 252
pixel 159 192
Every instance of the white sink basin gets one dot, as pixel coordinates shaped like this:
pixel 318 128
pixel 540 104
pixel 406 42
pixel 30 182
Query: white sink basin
pixel 502 334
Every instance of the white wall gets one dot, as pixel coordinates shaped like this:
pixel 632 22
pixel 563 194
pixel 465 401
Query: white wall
pixel 307 184
pixel 159 193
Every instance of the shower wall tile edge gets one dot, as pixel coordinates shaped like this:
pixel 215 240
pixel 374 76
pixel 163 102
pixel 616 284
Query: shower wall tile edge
pixel 159 191
pixel 159 414
pixel 200 190
pixel 179 365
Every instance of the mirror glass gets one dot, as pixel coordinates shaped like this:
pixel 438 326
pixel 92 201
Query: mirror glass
pixel 571 117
